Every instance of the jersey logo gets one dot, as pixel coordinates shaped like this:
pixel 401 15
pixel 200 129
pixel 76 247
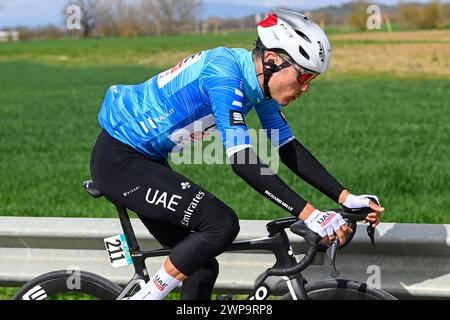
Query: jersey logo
pixel 195 131
pixel 163 198
pixel 236 118
pixel 165 77
pixel 191 208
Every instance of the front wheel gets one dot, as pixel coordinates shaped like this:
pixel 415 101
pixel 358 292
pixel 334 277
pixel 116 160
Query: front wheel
pixel 340 289
pixel 64 285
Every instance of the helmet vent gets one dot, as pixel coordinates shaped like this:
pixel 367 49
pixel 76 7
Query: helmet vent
pixel 301 34
pixel 303 52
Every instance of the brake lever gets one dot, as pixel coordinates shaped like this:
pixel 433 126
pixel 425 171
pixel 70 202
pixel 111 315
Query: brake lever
pixel 370 229
pixel 336 246
pixel 371 234
pixel 332 253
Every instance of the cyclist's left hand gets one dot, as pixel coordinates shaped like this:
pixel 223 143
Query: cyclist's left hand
pixel 352 201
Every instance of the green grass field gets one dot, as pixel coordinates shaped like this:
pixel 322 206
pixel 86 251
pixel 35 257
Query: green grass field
pixel 376 133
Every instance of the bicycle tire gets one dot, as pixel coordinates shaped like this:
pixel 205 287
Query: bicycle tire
pixel 56 282
pixel 341 289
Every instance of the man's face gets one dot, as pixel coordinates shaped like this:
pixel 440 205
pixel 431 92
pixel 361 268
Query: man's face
pixel 284 86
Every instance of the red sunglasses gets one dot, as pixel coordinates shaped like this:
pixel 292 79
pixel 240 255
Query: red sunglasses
pixel 303 76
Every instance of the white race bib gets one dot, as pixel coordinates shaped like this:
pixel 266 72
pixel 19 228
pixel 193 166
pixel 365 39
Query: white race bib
pixel 118 251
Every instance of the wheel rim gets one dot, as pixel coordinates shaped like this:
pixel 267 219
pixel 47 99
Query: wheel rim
pixel 339 294
pixel 59 285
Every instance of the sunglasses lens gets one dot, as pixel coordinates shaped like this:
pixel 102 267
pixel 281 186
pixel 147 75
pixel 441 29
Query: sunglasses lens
pixel 306 77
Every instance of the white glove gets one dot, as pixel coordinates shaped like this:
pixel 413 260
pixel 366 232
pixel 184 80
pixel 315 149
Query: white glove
pixel 324 222
pixel 356 202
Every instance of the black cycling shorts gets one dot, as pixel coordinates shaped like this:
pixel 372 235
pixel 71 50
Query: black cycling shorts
pixel 148 187
pixel 178 212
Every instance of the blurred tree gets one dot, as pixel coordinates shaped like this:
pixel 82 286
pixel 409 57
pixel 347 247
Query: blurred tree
pixel 128 27
pixel 323 18
pixel 167 17
pixel 105 18
pixel 89 15
pixel 358 16
pixel 434 15
pixel 113 18
pixel 152 16
pixel 25 33
pixel 431 15
pixel 48 32
pixel 410 14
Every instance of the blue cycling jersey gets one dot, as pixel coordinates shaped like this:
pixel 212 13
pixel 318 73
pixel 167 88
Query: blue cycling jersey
pixel 213 89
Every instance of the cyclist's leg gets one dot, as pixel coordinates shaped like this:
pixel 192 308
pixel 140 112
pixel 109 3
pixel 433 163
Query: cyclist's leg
pixel 200 284
pixel 155 191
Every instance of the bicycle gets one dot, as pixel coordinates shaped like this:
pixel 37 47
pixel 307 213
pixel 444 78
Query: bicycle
pixel 276 241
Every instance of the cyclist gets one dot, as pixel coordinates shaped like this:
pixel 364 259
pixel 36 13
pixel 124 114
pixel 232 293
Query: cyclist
pixel 143 123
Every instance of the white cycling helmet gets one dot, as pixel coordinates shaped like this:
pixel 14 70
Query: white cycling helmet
pixel 302 39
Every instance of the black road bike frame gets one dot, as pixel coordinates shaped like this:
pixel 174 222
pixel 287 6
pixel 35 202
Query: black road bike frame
pixel 277 242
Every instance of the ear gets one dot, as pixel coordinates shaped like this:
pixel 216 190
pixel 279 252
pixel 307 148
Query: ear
pixel 270 56
pixel 272 61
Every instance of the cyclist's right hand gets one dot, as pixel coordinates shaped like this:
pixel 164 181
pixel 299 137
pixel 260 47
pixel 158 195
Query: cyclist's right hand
pixel 328 223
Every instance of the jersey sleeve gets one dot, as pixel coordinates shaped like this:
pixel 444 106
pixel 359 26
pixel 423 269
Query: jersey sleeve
pixel 222 82
pixel 274 122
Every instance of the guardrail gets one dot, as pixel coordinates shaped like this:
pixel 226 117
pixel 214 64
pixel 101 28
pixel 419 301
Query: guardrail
pixel 409 261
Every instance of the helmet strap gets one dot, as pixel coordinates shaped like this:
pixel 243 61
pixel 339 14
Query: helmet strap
pixel 269 68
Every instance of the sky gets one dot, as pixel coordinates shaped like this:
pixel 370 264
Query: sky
pixel 32 13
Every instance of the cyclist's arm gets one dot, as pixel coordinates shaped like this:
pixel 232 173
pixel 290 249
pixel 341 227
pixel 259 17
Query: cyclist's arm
pixel 247 165
pixel 294 155
pixel 222 85
pixel 297 158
